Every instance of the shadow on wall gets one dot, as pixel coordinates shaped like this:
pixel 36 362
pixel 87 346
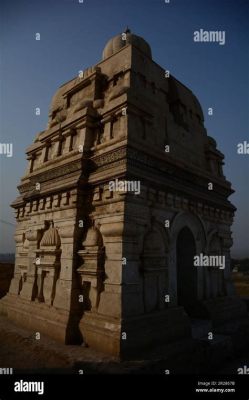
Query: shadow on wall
pixel 6 274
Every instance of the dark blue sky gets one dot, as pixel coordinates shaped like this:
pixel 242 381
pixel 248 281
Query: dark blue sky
pixel 72 38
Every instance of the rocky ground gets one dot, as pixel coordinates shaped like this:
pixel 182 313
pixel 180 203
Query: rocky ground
pixel 20 350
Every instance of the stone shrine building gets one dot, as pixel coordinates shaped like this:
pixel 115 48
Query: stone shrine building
pixel 115 268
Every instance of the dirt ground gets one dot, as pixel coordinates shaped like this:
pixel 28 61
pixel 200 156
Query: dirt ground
pixel 22 352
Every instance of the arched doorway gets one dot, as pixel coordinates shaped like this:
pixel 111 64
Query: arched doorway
pixel 186 271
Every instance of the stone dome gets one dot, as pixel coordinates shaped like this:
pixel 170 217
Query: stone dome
pixel 117 43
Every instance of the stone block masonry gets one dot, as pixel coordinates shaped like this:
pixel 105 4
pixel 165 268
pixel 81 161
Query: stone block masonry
pixel 100 266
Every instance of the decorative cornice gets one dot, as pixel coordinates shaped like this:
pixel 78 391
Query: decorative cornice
pixel 50 174
pixel 177 174
pixel 110 157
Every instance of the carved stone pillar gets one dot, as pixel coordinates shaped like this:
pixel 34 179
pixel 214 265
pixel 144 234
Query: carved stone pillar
pixel 132 293
pixel 92 269
pixel 110 300
pixel 28 286
pixel 101 328
pixel 21 254
pixel 64 288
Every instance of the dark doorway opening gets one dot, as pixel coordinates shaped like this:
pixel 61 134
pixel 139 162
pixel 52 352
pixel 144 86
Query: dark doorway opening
pixel 186 271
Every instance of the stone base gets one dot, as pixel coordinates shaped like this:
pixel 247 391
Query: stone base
pixel 224 309
pixel 101 332
pixel 41 318
pixel 147 332
pixel 137 335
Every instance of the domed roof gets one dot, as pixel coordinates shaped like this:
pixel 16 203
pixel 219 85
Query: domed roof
pixel 51 237
pixel 117 43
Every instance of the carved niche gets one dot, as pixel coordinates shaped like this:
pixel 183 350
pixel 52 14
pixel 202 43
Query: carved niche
pixel 48 265
pixel 22 260
pixel 91 271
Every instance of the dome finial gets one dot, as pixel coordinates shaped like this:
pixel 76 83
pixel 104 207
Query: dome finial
pixel 126 38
